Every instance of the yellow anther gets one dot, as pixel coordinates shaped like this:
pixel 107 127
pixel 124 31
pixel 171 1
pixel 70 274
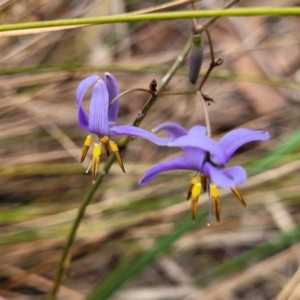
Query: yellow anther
pixel 115 149
pixel 97 150
pixel 190 187
pixel 113 146
pixel 105 141
pixel 88 141
pixel 86 146
pixel 194 208
pixel 95 161
pixel 196 190
pixel 214 193
pixel 204 181
pixel 238 194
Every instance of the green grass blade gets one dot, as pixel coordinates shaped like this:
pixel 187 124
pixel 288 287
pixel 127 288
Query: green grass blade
pixel 125 271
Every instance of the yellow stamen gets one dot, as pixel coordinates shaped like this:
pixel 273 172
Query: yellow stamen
pixel 196 190
pixel 86 146
pixel 238 194
pixel 204 182
pixel 115 149
pixel 95 161
pixel 190 187
pixel 105 141
pixel 214 193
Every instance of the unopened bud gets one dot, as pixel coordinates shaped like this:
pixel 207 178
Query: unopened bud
pixel 196 57
pixel 153 85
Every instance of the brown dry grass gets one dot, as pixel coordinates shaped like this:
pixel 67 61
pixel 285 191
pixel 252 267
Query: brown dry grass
pixel 42 182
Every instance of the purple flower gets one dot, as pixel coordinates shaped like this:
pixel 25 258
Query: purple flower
pixel 102 117
pixel 208 158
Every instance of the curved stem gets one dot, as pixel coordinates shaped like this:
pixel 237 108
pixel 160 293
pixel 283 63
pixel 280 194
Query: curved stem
pixel 129 91
pixel 212 56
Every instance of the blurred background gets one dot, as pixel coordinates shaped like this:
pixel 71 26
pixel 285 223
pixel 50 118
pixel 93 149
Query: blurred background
pixel 252 254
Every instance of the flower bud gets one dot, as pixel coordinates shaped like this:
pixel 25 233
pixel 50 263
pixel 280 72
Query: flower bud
pixel 196 57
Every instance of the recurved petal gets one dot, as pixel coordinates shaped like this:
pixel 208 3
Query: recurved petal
pixel 172 129
pixel 237 138
pixel 98 118
pixel 237 174
pixel 83 86
pixel 83 119
pixel 217 176
pixel 178 163
pixel 113 91
pixel 138 132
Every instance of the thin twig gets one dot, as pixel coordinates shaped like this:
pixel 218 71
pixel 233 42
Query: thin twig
pixel 129 91
pixel 203 28
pixel 207 122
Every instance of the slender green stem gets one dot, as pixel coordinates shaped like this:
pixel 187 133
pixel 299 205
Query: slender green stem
pixel 72 233
pixel 241 12
pixel 207 122
pixel 123 143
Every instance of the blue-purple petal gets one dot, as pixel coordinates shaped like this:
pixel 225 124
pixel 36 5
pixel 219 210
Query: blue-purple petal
pixel 178 163
pixel 217 176
pixel 237 138
pixel 172 129
pixel 83 119
pixel 138 132
pixel 98 116
pixel 113 91
pixel 228 178
pixel 237 174
pixel 195 158
pixel 197 131
pixel 83 86
pixel 196 138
